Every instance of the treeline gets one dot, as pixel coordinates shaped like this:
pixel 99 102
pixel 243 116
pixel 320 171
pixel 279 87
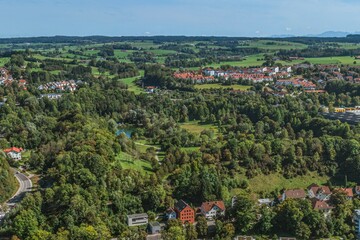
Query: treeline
pixel 317 52
pixel 7 180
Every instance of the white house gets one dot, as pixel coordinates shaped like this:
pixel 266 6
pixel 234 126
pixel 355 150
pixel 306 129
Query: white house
pixel 357 223
pixel 14 153
pixel 321 193
pixel 209 72
pixel 137 219
pixel 213 209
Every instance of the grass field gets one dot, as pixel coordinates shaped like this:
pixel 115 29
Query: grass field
pixel 130 82
pixel 272 182
pixel 346 60
pixel 3 61
pixel 219 86
pixel 126 161
pixel 196 127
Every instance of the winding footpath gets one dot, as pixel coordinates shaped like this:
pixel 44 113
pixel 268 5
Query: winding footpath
pixel 25 185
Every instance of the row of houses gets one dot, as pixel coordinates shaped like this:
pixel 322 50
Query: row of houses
pixel 257 75
pixel 270 71
pixel 194 77
pixel 298 82
pixel 319 196
pixel 59 86
pixel 184 212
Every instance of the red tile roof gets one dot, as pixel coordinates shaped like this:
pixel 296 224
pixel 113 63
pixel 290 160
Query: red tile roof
pixel 13 149
pixel 348 191
pixel 321 205
pixel 315 189
pixel 207 206
pixel 295 193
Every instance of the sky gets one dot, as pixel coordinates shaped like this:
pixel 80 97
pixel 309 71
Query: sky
pixel 24 18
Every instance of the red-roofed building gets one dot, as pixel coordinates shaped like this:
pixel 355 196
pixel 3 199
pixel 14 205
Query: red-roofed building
pixel 321 193
pixel 184 212
pixel 323 207
pixel 213 209
pixel 14 153
pixel 348 192
pixel 294 194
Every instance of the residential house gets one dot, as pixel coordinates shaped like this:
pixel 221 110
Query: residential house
pixel 244 238
pixel 184 212
pixel 323 207
pixel 293 194
pixel 154 228
pixel 209 72
pixel 349 192
pixel 170 214
pixel 265 201
pixel 14 153
pixel 321 193
pixel 356 219
pixel 137 219
pixel 213 209
pixel 357 190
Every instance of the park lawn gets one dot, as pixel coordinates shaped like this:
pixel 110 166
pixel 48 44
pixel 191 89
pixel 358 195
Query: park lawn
pixel 127 161
pixel 219 86
pixel 3 61
pixel 276 181
pixel 196 127
pixel 130 82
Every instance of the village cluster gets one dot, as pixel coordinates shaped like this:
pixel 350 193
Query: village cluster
pixel 256 75
pixel 318 195
pixel 6 79
pixel 55 88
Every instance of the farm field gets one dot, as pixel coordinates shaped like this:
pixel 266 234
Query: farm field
pixel 346 60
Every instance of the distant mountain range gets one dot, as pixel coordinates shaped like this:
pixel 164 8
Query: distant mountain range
pixel 328 34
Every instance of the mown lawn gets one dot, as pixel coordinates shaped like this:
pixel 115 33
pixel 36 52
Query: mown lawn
pixel 127 161
pixel 219 86
pixel 196 127
pixel 3 61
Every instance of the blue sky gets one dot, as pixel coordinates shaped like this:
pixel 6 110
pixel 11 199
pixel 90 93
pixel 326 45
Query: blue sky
pixel 177 17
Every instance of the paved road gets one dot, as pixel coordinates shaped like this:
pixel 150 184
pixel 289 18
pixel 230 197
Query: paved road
pixel 25 186
pixel 348 117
